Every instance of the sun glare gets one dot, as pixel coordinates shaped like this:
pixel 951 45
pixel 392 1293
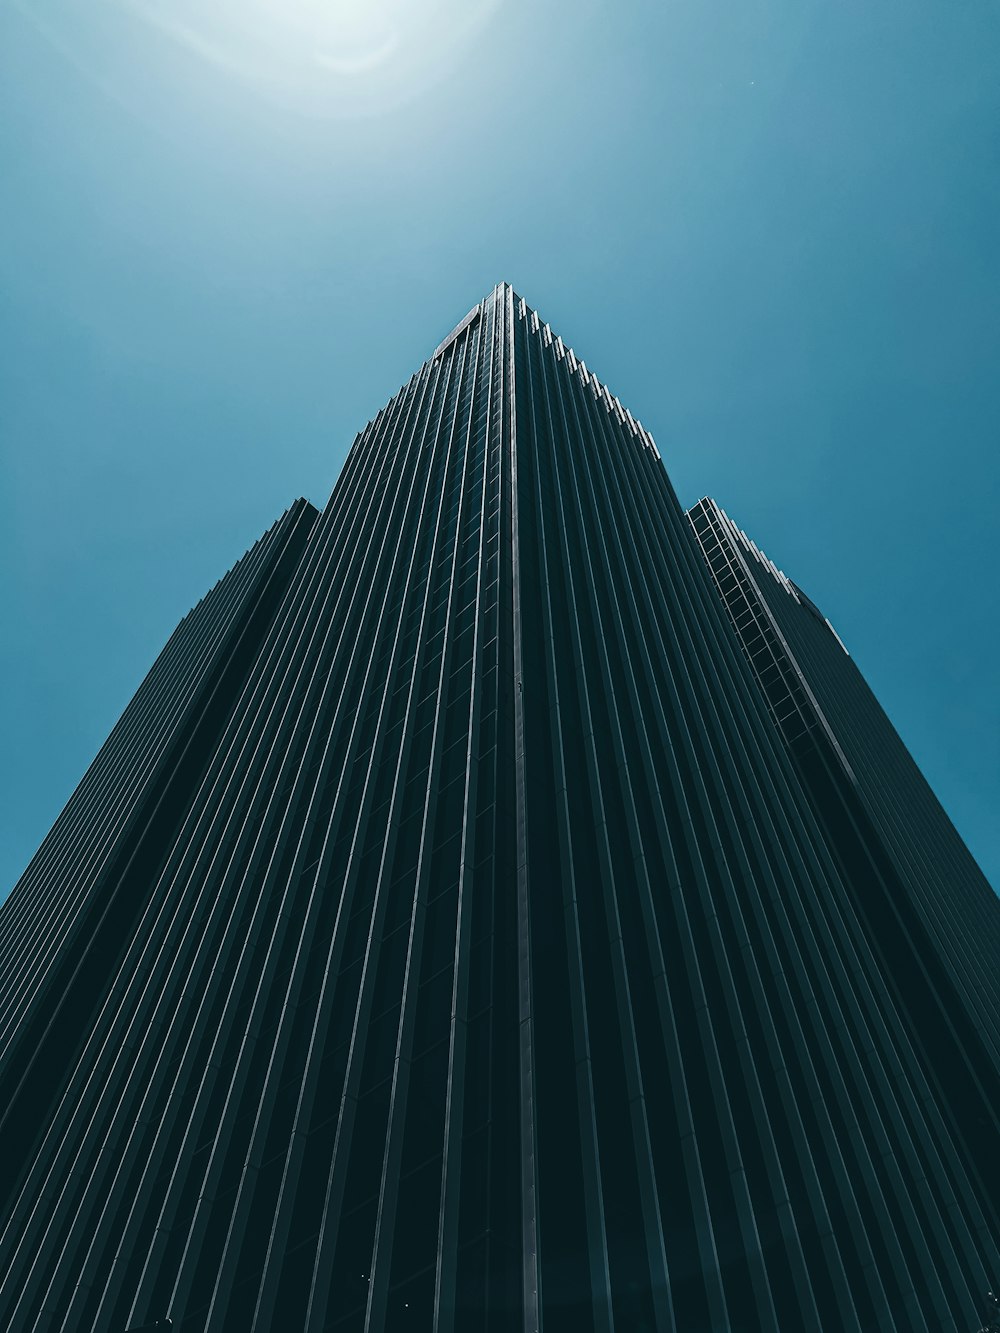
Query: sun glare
pixel 336 57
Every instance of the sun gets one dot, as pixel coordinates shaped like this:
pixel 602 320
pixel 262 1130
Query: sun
pixel 337 57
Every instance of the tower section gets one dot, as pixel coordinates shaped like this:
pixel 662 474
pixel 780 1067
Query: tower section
pixel 931 916
pixel 726 1086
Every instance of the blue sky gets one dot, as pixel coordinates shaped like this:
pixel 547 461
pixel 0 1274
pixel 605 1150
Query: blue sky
pixel 228 232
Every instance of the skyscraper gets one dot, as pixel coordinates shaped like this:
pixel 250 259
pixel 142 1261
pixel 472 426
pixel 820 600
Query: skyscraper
pixel 447 937
pixel 930 914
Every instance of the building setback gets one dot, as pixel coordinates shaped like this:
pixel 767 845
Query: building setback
pixel 455 933
pixel 930 913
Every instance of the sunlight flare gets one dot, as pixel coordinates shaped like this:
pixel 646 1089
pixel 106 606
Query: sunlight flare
pixel 336 57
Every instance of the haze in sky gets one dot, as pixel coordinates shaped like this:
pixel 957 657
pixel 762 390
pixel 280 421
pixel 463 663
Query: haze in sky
pixel 230 229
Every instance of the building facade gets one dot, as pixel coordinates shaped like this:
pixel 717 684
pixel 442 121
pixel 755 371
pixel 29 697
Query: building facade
pixel 447 937
pixel 930 912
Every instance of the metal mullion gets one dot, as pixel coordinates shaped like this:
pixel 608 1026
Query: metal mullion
pixel 889 1042
pixel 599 1273
pixel 886 809
pixel 936 1148
pixel 204 621
pixel 656 1255
pixel 861 1078
pixel 372 498
pixel 643 568
pixel 531 1282
pixel 238 904
pixel 813 850
pixel 953 931
pixel 567 489
pixel 974 904
pixel 787 1004
pixel 788 1007
pixel 849 1077
pixel 451 1160
pixel 948 922
pixel 747 805
pixel 725 552
pixel 131 735
pixel 43 1147
pixel 336 1180
pixel 107 1113
pixel 38 918
pixel 98 1031
pixel 107 757
pixel 746 567
pixel 704 701
pixel 918 1134
pixel 698 619
pixel 33 883
pixel 307 586
pixel 32 923
pixel 772 1162
pixel 759 789
pixel 66 1143
pixel 376 1312
pixel 276 1266
pixel 394 421
pixel 67 905
pixel 296 655
pixel 765 613
pixel 805 1294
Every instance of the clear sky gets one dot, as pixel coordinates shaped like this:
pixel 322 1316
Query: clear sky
pixel 229 229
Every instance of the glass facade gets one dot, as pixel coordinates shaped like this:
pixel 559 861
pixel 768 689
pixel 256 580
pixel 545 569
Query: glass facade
pixel 446 937
pixel 931 916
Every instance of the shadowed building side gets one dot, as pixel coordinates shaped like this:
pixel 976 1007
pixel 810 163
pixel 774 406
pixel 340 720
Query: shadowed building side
pixel 932 916
pixel 74 912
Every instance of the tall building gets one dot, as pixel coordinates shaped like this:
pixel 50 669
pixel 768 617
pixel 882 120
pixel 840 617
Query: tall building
pixel 931 914
pixel 452 935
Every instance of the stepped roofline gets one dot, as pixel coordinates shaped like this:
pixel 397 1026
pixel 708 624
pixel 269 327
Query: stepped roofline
pixel 751 548
pixel 565 353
